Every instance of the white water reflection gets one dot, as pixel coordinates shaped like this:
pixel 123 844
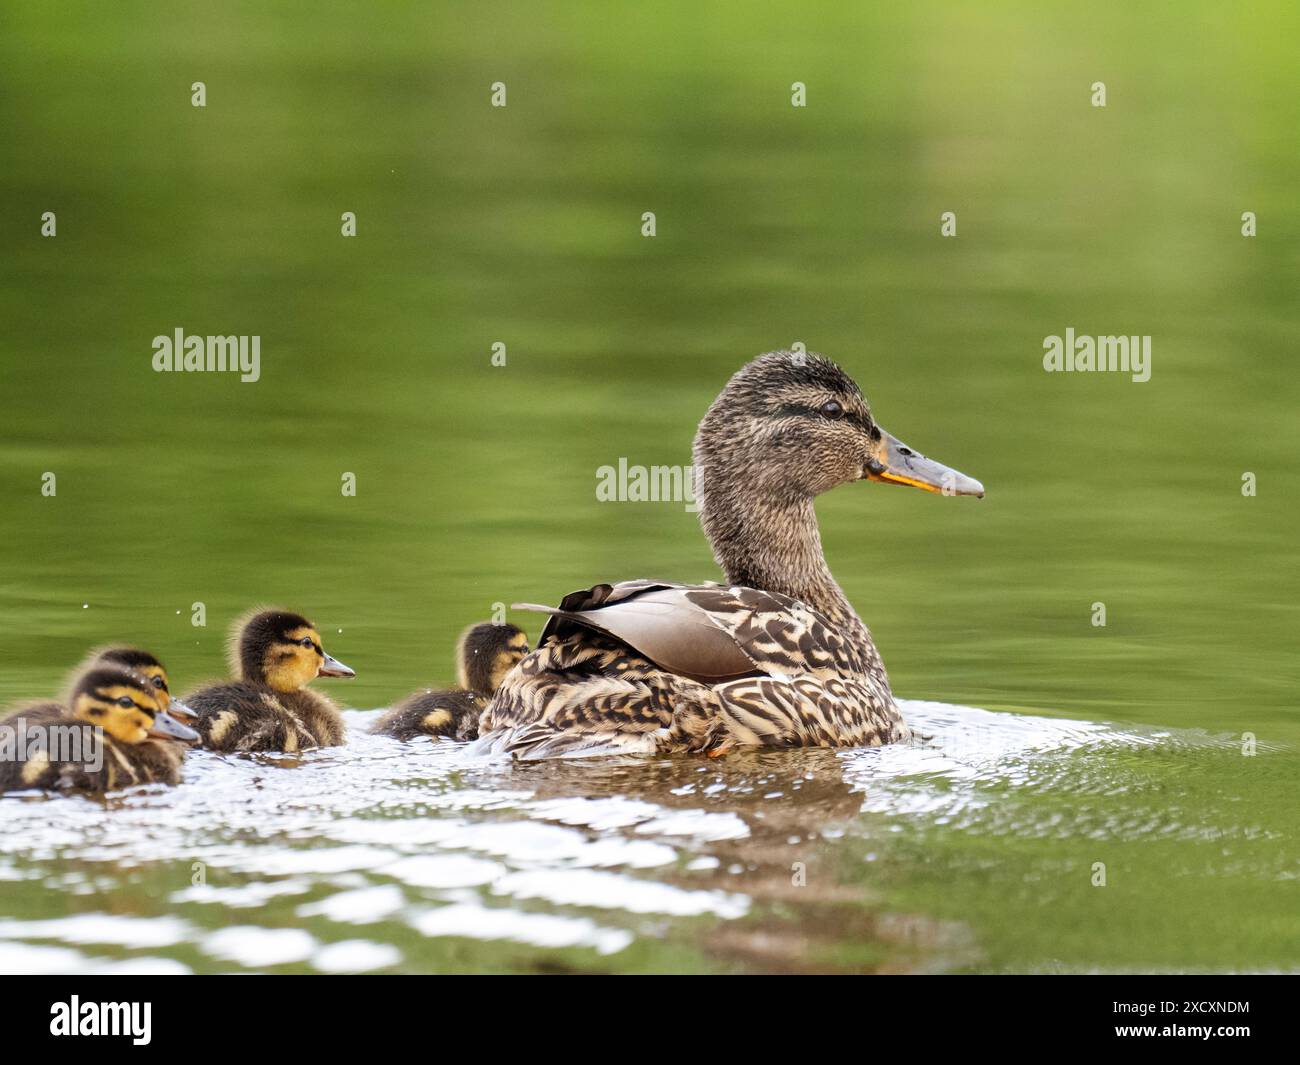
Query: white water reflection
pixel 570 887
pixel 255 947
pixel 358 905
pixel 536 929
pixel 275 862
pixel 355 956
pixel 101 928
pixel 27 959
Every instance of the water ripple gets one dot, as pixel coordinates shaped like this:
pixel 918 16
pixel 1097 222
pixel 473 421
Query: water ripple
pixel 261 862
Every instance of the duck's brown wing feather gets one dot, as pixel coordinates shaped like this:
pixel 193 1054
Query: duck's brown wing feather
pixel 662 623
pixel 711 632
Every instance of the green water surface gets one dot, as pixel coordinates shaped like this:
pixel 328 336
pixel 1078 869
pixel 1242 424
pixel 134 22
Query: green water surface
pixel 775 224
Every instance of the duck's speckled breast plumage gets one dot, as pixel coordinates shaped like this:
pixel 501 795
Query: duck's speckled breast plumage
pixel 816 681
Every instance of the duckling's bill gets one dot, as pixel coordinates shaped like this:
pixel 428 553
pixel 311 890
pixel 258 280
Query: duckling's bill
pixel 332 667
pixel 893 462
pixel 167 727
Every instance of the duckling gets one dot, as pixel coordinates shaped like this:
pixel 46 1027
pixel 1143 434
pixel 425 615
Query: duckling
pixel 276 653
pixel 94 745
pixel 163 756
pixel 132 659
pixel 485 653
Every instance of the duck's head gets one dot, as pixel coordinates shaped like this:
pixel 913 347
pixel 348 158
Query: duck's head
pixel 146 665
pixel 283 651
pixel 486 653
pixel 791 425
pixel 125 705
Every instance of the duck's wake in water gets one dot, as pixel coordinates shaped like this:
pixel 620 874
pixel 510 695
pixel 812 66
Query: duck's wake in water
pixel 385 856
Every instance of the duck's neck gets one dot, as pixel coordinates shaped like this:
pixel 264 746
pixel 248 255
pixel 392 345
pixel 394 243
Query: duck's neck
pixel 773 545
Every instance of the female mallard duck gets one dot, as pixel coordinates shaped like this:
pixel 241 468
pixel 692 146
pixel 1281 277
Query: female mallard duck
pixel 485 653
pixel 98 743
pixel 162 757
pixel 277 654
pixel 776 656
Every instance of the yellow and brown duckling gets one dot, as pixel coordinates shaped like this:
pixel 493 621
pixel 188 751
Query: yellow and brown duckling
pixel 131 658
pixel 485 653
pixel 276 653
pixel 163 756
pixel 99 742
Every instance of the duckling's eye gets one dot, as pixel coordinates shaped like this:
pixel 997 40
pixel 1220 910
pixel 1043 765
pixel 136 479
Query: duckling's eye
pixel 125 700
pixel 306 641
pixel 832 409
pixel 159 683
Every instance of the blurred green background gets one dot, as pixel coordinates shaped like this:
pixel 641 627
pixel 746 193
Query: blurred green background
pixel 475 484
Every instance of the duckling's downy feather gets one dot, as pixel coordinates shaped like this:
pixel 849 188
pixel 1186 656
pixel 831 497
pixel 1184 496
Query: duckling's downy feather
pixel 114 765
pixel 249 717
pixel 277 653
pixel 485 653
pixel 451 713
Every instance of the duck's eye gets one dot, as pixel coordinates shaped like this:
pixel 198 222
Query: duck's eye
pixel 306 641
pixel 159 683
pixel 125 700
pixel 832 409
